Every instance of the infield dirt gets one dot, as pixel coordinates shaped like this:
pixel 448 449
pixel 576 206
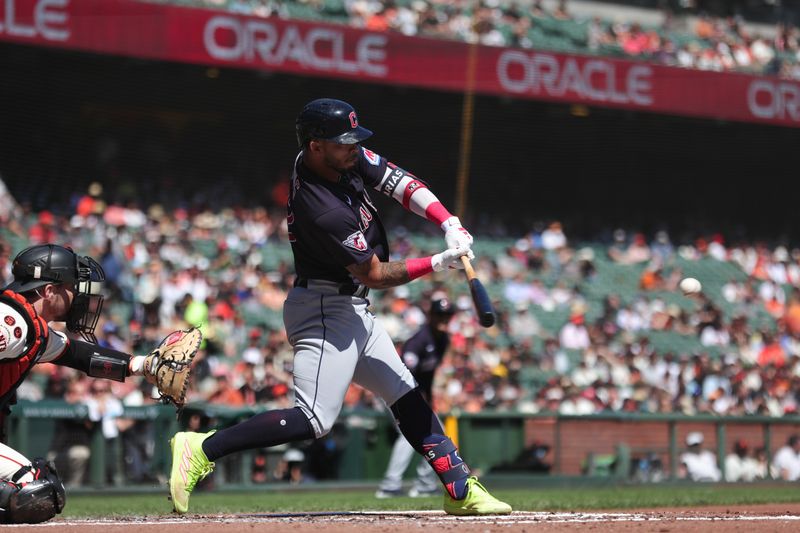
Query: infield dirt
pixel 750 519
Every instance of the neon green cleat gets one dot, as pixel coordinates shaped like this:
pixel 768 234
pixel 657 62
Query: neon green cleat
pixel 189 465
pixel 477 502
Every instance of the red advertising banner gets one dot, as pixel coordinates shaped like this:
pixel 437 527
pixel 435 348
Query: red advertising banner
pixel 162 32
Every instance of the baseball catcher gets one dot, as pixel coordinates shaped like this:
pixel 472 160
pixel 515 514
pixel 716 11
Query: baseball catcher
pixel 53 283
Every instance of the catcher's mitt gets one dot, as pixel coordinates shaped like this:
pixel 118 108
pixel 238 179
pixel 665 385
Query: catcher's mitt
pixel 168 366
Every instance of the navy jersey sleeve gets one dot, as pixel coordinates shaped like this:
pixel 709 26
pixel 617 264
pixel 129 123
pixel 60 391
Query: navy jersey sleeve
pixel 384 176
pixel 346 243
pixel 371 167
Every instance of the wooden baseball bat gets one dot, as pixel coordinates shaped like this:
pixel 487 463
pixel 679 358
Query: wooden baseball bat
pixel 483 305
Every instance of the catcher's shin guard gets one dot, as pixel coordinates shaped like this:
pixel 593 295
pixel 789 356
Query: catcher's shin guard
pixel 33 502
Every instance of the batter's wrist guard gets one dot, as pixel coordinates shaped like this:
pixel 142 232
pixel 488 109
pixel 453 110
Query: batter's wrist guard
pixel 419 266
pixel 452 222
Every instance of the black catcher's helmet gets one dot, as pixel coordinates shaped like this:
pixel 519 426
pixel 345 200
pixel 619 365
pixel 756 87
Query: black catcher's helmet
pixel 329 119
pixel 36 266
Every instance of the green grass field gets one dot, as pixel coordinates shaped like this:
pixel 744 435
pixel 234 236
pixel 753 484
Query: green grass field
pixel 275 501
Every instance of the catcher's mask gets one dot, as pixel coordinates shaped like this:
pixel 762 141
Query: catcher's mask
pixel 37 266
pixel 331 120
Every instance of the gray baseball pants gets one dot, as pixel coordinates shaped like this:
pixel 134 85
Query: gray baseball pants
pixel 336 341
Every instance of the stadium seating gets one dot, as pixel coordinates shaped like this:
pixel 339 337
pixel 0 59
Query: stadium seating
pixel 220 259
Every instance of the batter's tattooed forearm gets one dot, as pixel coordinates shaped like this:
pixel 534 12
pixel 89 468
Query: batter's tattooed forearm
pixel 393 273
pixel 381 275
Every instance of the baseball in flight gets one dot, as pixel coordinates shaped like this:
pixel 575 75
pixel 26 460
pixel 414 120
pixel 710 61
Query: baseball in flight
pixel 690 286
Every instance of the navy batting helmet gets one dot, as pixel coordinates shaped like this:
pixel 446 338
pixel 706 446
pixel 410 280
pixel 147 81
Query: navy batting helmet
pixel 331 120
pixel 442 307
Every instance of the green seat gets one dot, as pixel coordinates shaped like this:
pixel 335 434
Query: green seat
pixel 334 8
pixel 535 378
pixel 257 316
pixel 548 25
pixel 672 342
pixel 611 49
pixel 273 254
pixel 206 247
pixel 17 243
pixel 551 321
pixel 507 31
pixel 576 31
pixel 539 39
pixel 297 10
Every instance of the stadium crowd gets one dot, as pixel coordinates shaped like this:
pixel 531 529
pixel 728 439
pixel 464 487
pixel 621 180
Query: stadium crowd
pixel 704 41
pixel 566 340
pixel 166 269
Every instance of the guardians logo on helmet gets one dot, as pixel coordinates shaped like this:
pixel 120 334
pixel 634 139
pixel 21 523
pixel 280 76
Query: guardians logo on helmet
pixel 330 120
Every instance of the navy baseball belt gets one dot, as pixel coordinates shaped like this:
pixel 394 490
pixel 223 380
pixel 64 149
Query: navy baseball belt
pixel 333 287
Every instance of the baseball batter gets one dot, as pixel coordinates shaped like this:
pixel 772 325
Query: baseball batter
pixel 422 353
pixel 340 253
pixel 51 283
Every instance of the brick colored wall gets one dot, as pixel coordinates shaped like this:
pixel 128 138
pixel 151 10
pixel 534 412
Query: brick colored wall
pixel 572 440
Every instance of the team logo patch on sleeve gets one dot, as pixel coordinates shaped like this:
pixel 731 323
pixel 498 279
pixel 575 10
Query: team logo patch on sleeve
pixel 356 241
pixel 373 158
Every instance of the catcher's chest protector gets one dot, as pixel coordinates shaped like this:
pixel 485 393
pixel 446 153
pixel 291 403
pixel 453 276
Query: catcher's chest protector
pixel 14 369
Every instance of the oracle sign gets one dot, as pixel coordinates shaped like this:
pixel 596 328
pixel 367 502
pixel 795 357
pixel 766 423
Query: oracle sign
pixel 771 100
pixel 46 19
pixel 159 31
pixel 591 79
pixel 319 48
